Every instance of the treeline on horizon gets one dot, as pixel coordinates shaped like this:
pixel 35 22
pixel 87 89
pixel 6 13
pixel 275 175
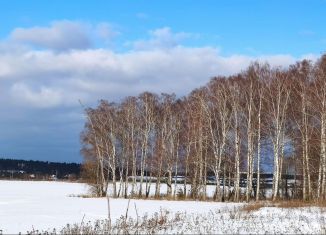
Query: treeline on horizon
pixel 19 168
pixel 224 128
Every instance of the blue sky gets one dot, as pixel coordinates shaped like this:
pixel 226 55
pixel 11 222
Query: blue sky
pixel 251 27
pixel 53 53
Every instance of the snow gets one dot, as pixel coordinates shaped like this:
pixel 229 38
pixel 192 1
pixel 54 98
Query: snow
pixel 45 205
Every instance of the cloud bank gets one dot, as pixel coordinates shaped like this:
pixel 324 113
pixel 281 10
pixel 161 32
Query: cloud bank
pixel 45 70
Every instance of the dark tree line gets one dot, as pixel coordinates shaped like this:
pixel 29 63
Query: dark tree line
pixel 263 119
pixel 38 168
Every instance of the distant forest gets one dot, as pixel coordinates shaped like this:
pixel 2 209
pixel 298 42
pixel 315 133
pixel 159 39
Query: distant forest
pixel 11 168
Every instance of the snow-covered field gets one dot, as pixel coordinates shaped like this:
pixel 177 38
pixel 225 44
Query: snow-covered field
pixel 27 205
pixel 44 205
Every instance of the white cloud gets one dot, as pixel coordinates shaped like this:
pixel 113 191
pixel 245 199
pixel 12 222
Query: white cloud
pixel 161 38
pixel 60 35
pixel 5 69
pixel 41 88
pixel 63 35
pixel 106 31
pixel 47 79
pixel 310 56
pixel 45 97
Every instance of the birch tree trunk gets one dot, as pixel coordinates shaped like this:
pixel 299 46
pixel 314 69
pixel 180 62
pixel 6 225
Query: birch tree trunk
pixel 237 156
pixel 250 146
pixel 258 148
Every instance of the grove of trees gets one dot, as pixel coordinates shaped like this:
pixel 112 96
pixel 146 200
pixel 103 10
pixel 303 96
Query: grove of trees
pixel 262 120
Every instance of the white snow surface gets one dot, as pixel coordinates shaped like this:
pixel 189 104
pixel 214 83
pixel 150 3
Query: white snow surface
pixel 44 205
